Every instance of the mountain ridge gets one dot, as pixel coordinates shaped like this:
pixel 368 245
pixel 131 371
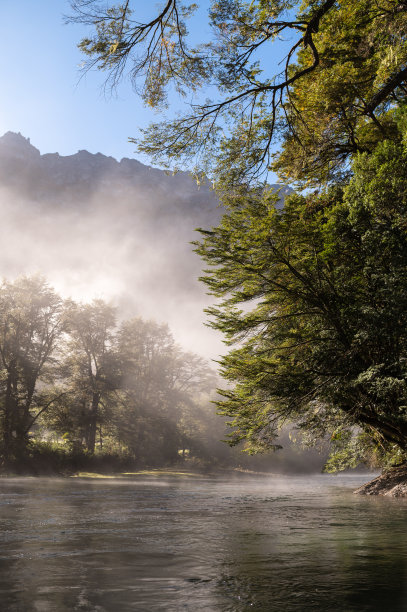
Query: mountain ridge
pixel 25 168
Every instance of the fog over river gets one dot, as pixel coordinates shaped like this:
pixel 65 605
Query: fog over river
pixel 197 543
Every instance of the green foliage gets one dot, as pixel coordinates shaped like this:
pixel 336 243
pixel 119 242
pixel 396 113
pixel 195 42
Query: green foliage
pixel 92 367
pixel 74 384
pixel 346 106
pixel 312 297
pixel 159 410
pixel 351 447
pixel 313 300
pixel 333 94
pixel 31 322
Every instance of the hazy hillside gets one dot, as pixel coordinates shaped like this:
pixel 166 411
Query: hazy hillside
pixel 97 227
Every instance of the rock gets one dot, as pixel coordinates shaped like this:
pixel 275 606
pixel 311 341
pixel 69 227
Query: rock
pixel 392 483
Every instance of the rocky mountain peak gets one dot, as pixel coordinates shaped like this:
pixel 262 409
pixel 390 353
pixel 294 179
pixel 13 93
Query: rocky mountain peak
pixel 14 144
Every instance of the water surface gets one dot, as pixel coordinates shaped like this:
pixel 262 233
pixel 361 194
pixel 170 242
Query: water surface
pixel 195 543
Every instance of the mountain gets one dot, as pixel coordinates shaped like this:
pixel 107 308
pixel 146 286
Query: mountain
pixel 73 179
pixel 98 227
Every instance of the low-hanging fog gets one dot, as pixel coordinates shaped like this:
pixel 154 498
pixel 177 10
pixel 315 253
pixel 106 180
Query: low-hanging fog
pixel 95 227
pixel 121 231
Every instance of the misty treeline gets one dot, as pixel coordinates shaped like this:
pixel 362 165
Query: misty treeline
pixel 75 380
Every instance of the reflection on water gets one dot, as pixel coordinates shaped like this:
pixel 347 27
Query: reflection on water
pixel 200 544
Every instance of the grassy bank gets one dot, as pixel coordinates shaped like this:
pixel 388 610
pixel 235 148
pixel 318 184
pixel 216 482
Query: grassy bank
pixel 49 460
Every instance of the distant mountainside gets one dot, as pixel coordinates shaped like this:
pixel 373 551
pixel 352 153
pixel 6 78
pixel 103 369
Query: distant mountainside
pixel 100 227
pixel 73 179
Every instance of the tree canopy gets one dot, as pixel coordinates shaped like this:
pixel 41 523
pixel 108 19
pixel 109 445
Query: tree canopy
pixel 342 73
pixel 31 322
pixel 322 336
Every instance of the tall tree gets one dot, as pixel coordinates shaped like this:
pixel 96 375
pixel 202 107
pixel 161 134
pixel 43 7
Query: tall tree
pixel 91 365
pixel 322 336
pixel 324 344
pixel 160 385
pixel 343 71
pixel 31 322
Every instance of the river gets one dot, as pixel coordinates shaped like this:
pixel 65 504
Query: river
pixel 198 543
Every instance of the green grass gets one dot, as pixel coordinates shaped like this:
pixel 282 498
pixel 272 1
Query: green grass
pixel 157 472
pixel 91 475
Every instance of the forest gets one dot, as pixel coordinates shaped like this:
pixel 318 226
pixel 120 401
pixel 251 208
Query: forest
pixel 76 383
pixel 310 296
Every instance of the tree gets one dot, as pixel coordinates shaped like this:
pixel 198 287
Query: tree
pixel 31 322
pixel 333 95
pixel 71 379
pixel 91 370
pixel 160 388
pixel 143 422
pixel 315 296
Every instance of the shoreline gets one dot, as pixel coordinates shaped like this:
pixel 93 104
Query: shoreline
pixel 391 483
pixel 160 471
pixel 175 471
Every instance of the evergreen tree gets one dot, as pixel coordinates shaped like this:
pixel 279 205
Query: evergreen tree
pixel 314 295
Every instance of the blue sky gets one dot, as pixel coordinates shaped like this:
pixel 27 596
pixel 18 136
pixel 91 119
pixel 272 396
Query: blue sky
pixel 43 96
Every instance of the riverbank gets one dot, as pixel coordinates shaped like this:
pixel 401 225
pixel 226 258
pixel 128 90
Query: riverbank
pixel 194 471
pixel 48 460
pixel 177 471
pixel 392 483
pixel 96 470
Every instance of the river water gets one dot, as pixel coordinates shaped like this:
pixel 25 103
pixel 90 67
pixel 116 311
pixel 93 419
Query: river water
pixel 197 543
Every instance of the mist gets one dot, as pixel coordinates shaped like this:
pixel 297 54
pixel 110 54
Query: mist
pixel 96 228
pixel 120 231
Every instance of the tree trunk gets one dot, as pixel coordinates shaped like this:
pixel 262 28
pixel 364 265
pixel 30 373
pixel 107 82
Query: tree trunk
pixel 9 412
pixel 93 419
pixel 7 420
